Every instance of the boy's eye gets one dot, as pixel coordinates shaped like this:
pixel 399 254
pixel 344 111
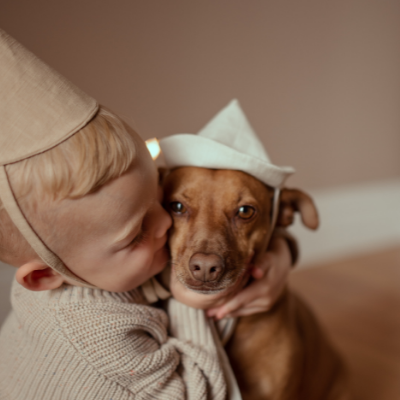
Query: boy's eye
pixel 138 239
pixel 246 212
pixel 177 207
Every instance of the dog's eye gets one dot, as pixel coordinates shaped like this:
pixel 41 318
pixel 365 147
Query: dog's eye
pixel 246 212
pixel 177 207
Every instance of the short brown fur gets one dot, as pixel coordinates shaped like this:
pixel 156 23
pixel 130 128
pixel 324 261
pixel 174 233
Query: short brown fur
pixel 279 355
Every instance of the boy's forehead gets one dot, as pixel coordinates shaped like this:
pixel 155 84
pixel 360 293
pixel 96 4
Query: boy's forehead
pixel 127 194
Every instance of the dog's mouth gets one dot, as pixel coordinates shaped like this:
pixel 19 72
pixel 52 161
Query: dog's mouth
pixel 203 287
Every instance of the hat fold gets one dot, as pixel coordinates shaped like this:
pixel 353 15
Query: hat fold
pixel 39 107
pixel 227 142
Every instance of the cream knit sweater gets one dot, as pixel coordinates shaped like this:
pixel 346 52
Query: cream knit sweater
pixel 77 343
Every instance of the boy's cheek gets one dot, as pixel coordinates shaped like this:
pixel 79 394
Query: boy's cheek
pixel 160 260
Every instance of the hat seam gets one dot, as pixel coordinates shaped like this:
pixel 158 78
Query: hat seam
pixel 48 147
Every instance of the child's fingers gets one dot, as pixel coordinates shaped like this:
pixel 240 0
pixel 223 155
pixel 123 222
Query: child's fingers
pixel 271 273
pixel 247 311
pixel 255 294
pixel 259 296
pixel 257 273
pixel 262 266
pixel 229 307
pixel 277 255
pixel 257 306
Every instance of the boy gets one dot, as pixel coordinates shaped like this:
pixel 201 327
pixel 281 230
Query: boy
pixel 81 220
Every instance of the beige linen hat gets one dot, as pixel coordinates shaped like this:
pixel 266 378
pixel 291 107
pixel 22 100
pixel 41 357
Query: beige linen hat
pixel 39 109
pixel 226 142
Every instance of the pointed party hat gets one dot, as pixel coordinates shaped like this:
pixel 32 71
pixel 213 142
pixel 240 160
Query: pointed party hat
pixel 226 142
pixel 39 109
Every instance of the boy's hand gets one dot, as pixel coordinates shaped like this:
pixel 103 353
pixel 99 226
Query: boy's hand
pixel 270 275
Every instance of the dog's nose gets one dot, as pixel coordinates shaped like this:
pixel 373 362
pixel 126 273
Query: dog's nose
pixel 206 267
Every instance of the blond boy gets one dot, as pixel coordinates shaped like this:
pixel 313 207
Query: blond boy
pixel 81 220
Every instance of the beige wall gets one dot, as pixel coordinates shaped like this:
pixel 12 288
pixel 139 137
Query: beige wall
pixel 319 80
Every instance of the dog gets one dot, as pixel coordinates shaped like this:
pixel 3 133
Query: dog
pixel 221 220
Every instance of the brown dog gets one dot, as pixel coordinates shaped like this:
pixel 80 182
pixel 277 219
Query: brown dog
pixel 221 220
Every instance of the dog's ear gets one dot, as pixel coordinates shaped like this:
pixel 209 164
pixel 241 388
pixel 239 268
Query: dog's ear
pixel 292 200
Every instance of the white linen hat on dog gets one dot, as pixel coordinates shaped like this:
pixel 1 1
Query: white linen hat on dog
pixel 226 142
pixel 39 109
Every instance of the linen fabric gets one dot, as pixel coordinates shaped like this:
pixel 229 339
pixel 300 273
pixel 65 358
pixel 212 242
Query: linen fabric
pixel 226 142
pixel 39 109
pixel 81 343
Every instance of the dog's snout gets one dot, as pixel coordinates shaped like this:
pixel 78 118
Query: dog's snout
pixel 206 267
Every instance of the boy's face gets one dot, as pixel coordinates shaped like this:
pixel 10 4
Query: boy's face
pixel 115 237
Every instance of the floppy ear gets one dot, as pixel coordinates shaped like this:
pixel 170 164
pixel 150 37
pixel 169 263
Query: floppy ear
pixel 292 200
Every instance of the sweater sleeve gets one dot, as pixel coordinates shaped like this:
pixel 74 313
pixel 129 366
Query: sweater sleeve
pixel 128 344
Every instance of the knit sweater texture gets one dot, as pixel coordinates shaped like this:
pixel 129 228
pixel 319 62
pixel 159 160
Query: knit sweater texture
pixel 76 343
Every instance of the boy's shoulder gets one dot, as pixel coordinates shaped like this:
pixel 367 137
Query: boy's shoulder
pixel 73 301
pixel 83 316
pixel 91 330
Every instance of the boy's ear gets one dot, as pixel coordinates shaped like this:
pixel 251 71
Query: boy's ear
pixel 37 276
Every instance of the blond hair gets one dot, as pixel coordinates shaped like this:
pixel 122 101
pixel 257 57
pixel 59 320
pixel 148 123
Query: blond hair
pixel 101 151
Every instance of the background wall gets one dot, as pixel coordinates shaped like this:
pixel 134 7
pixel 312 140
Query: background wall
pixel 319 81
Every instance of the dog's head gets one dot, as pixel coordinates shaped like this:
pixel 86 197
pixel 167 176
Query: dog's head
pixel 221 220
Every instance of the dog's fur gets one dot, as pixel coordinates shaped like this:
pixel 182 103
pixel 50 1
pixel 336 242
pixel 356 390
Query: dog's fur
pixel 281 354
